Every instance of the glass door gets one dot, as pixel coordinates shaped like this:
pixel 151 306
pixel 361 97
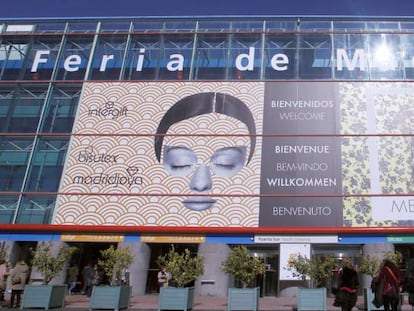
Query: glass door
pixel 268 282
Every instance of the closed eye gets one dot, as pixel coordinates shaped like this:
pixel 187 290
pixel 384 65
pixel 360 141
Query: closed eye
pixel 225 166
pixel 179 160
pixel 228 161
pixel 180 167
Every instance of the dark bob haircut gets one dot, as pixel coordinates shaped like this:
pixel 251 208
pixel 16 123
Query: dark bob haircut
pixel 203 103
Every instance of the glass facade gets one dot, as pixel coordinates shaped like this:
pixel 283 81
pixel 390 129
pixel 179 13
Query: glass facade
pixel 43 65
pixel 205 49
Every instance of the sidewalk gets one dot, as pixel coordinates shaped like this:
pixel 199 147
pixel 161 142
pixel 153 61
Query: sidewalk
pixel 79 302
pixel 150 303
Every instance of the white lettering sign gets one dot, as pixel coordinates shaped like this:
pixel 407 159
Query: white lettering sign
pixel 243 62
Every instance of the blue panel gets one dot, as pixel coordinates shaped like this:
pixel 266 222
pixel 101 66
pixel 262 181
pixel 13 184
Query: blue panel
pixel 361 239
pixel 132 238
pixel 230 239
pixel 29 237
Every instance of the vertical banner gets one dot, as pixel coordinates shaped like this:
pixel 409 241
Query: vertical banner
pixel 301 161
pixel 288 252
pixel 390 110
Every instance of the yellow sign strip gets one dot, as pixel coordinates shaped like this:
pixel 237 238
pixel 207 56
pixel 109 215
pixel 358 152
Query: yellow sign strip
pixel 185 238
pixel 92 237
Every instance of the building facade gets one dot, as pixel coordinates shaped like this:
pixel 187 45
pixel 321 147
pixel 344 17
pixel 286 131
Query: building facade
pixel 289 135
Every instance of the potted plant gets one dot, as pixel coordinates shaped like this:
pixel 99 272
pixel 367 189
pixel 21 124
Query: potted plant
pixel 184 269
pixel 369 265
pixel 244 268
pixel 49 264
pixel 317 269
pixel 116 295
pixel 114 262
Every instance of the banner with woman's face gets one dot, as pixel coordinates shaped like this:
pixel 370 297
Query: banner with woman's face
pixel 240 154
pixel 166 154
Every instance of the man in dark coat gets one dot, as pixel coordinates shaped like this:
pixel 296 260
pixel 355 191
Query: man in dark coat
pixel 408 283
pixel 346 296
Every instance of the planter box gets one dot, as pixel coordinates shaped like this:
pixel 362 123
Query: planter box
pixel 243 299
pixel 110 297
pixel 44 296
pixel 368 297
pixel 310 299
pixel 175 298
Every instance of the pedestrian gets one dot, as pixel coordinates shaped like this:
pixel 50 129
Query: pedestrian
pixel 8 290
pixel 3 278
pixel 348 283
pixel 94 277
pixel 72 278
pixel 18 277
pixel 162 277
pixel 408 283
pixel 389 274
pixel 87 273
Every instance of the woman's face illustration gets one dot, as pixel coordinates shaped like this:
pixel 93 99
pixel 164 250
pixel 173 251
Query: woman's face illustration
pixel 204 159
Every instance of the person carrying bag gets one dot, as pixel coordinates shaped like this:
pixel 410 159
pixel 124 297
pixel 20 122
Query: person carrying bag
pixel 389 274
pixel 346 295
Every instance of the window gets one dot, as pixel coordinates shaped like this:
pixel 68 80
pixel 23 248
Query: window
pixel 212 60
pixel 47 165
pixel 315 56
pixel 108 57
pixel 8 205
pixel 36 209
pixel 20 108
pixel 61 109
pixel 14 157
pixel 278 49
pixel 75 57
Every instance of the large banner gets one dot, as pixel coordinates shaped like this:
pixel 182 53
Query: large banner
pixel 240 154
pixel 165 154
pixel 302 168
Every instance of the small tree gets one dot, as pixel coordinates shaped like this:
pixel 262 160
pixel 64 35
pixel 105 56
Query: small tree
pixel 114 262
pixel 243 266
pixel 184 267
pixel 318 268
pixel 396 257
pixel 47 264
pixel 370 265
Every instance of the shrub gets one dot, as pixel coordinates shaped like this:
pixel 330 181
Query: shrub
pixel 114 262
pixel 47 264
pixel 184 267
pixel 243 266
pixel 318 268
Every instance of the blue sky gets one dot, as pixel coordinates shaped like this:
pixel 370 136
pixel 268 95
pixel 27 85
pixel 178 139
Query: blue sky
pixel 98 8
